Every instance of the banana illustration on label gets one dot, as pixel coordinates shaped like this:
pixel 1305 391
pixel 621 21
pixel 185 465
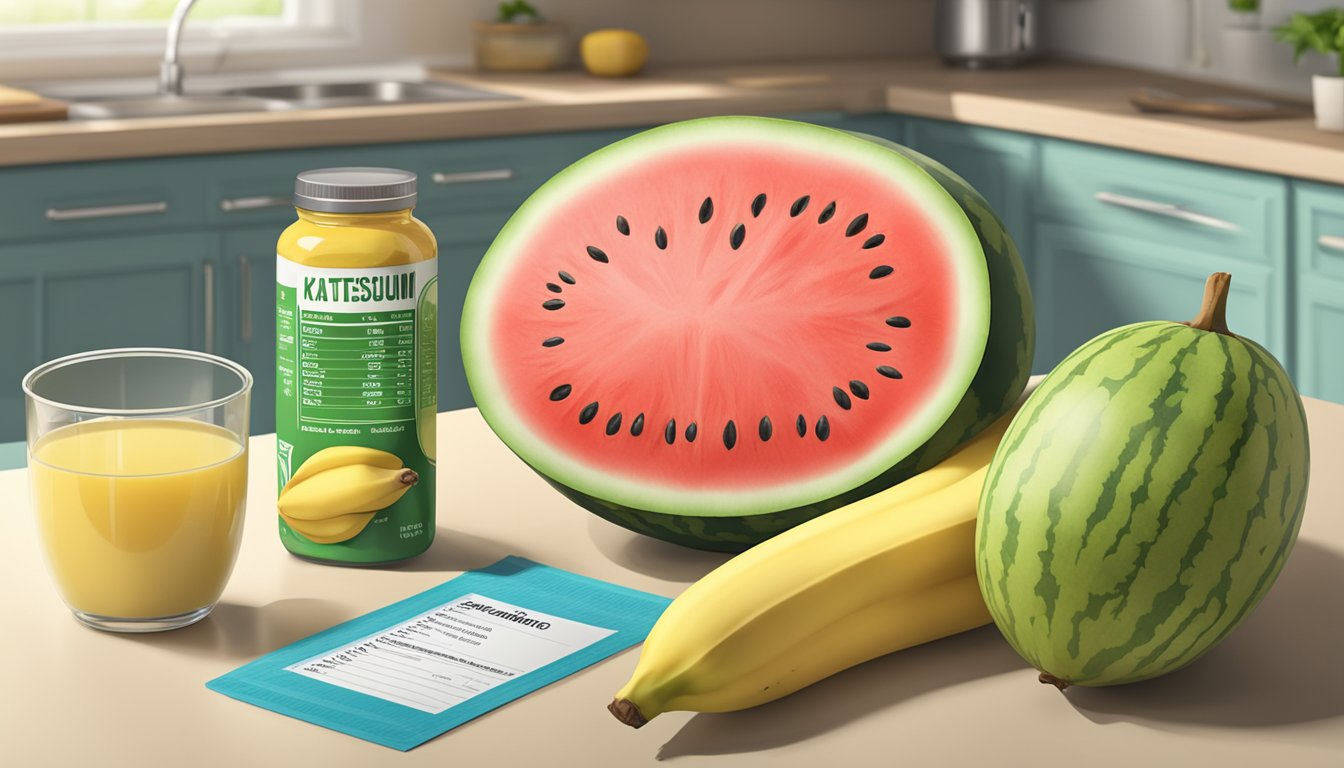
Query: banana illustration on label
pixel 337 491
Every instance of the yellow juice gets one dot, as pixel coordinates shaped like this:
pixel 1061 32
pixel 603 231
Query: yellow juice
pixel 140 518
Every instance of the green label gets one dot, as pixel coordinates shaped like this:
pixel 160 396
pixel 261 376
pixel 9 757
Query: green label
pixel 356 366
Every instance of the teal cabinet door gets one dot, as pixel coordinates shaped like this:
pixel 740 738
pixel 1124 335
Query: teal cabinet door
pixel 1096 281
pixel 1002 166
pixel 1122 237
pixel 1319 239
pixel 75 295
pixel 248 306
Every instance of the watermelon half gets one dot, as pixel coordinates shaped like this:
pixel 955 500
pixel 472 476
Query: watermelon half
pixel 717 329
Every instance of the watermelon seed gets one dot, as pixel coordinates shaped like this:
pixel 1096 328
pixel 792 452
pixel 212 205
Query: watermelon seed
pixel 598 254
pixel 758 205
pixel 766 429
pixel 826 213
pixel 898 322
pixel 730 435
pixel 554 341
pixel 622 226
pixel 880 272
pixel 874 241
pixel 561 392
pixel 670 431
pixel 888 371
pixel 739 234
pixel 553 288
pixel 823 429
pixel 565 277
pixel 691 431
pixel 614 424
pixel 802 426
pixel 800 205
pixel 841 398
pixel 856 226
pixel 859 389
pixel 588 413
pixel 660 239
pixel 637 426
pixel 878 346
pixel 706 210
pixel 553 304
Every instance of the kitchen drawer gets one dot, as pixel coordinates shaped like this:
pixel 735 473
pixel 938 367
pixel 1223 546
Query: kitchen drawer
pixel 258 187
pixel 82 199
pixel 1319 229
pixel 1233 214
pixel 1093 281
pixel 488 175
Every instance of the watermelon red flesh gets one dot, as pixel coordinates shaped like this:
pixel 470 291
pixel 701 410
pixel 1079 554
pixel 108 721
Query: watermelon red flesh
pixel 674 323
pixel 652 331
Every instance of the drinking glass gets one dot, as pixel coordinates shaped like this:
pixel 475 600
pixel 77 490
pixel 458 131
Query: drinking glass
pixel 137 461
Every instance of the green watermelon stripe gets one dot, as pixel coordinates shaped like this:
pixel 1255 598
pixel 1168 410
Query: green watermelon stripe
pixel 1139 435
pixel 1222 589
pixel 1030 413
pixel 1164 413
pixel 1047 587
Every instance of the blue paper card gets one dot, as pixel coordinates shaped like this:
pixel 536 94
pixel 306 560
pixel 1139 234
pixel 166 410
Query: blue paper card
pixel 403 674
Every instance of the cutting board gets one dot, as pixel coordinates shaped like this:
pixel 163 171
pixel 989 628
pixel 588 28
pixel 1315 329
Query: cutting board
pixel 42 109
pixel 1216 107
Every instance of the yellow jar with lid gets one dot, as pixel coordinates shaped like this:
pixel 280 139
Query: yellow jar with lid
pixel 356 369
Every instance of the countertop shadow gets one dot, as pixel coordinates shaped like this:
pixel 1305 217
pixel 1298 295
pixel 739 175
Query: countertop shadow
pixel 650 556
pixel 854 694
pixel 243 632
pixel 1282 665
pixel 454 551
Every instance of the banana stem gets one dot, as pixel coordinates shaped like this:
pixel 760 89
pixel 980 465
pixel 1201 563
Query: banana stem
pixel 409 477
pixel 626 711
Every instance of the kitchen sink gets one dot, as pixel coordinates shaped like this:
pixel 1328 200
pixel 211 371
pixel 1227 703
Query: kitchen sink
pixel 276 98
pixel 324 95
pixel 170 106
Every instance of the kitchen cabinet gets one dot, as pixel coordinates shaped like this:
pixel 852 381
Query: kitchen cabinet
pixel 248 258
pixel 1122 237
pixel 1001 165
pixel 1319 248
pixel 67 296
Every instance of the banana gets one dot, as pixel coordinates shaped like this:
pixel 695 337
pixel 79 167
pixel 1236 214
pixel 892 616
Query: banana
pixel 891 571
pixel 336 492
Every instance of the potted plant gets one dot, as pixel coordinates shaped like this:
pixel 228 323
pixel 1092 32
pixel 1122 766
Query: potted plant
pixel 1322 32
pixel 1245 13
pixel 520 40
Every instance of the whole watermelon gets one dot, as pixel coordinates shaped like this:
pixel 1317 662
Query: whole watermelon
pixel 1143 501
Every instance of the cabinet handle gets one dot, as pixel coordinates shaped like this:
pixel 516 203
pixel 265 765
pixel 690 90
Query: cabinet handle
pixel 471 177
pixel 209 274
pixel 1165 209
pixel 245 296
pixel 106 211
pixel 253 203
pixel 1331 242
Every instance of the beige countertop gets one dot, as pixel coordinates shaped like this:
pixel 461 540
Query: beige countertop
pixel 1066 100
pixel 1269 695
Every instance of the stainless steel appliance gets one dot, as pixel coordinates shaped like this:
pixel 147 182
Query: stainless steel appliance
pixel 987 33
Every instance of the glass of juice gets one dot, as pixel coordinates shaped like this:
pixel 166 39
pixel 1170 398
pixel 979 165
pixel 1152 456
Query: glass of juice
pixel 137 460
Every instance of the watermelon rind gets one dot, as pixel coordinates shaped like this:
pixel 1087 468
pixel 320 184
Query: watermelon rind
pixel 992 353
pixel 1142 502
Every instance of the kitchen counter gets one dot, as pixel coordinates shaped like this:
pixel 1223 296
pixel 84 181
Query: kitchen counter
pixel 1061 99
pixel 1269 695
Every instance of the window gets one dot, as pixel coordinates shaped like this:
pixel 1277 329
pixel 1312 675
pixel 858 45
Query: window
pixel 36 30
pixel 36 14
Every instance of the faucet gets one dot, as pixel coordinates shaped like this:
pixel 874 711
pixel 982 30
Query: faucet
pixel 170 71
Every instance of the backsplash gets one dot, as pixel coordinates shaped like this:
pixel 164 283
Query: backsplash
pixel 1157 35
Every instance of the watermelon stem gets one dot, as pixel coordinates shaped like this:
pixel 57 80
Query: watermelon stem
pixel 1213 314
pixel 1049 679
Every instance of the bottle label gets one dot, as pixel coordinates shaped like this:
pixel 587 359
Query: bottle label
pixel 356 365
